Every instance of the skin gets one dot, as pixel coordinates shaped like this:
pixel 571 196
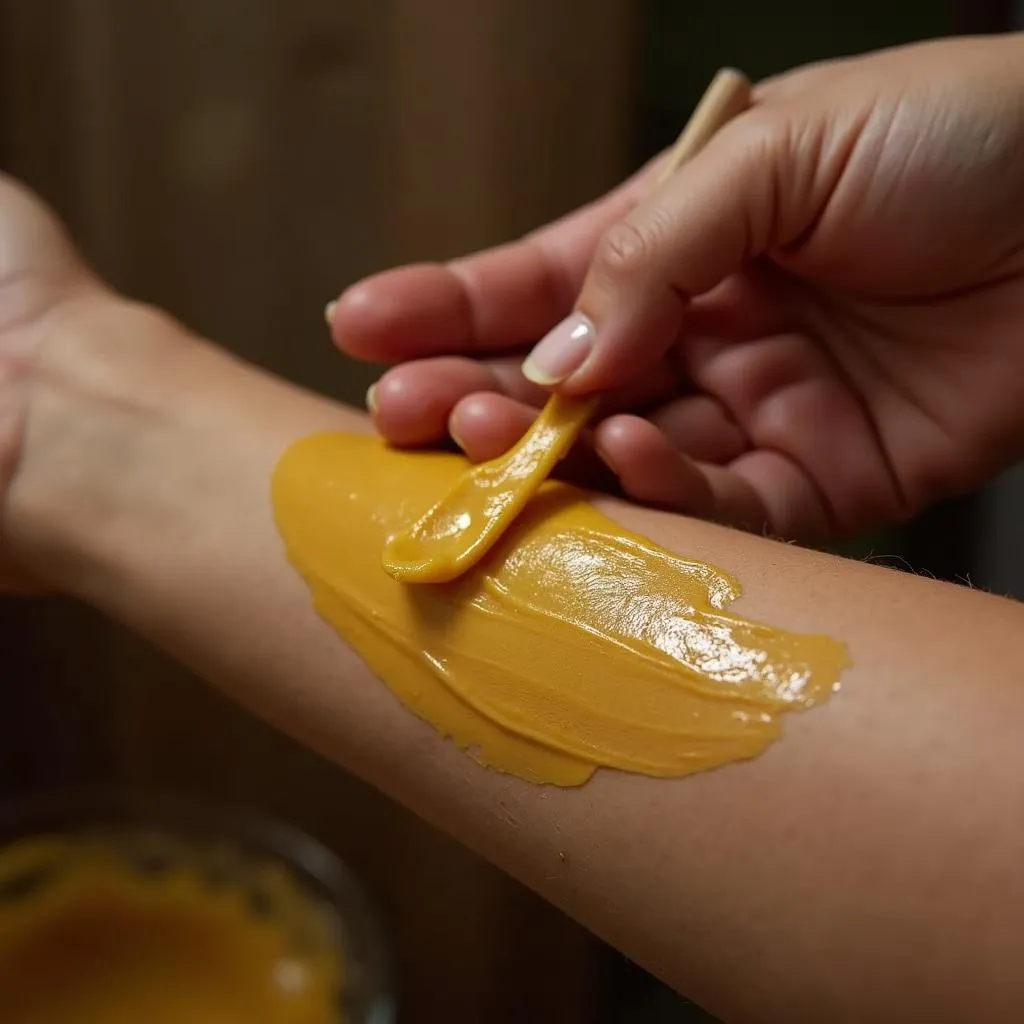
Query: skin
pixel 42 280
pixel 806 331
pixel 865 868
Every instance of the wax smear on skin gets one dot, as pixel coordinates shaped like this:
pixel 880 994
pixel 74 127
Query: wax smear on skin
pixel 572 645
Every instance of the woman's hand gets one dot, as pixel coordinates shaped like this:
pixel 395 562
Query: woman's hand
pixel 815 327
pixel 41 279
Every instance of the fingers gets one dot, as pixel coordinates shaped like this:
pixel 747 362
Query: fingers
pixel 486 425
pixel 793 400
pixel 705 224
pixel 700 426
pixel 791 503
pixel 642 461
pixel 759 491
pixel 411 404
pixel 498 299
pixel 691 459
pixel 650 468
pixel 653 468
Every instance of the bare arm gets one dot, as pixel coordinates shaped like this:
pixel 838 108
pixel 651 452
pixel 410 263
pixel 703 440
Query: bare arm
pixel 865 867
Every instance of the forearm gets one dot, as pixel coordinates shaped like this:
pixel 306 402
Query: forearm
pixel 865 865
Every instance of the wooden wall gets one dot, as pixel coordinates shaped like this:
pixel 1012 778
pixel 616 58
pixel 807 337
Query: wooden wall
pixel 239 161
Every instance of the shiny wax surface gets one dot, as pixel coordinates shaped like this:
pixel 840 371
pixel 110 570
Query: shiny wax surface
pixel 456 532
pixel 573 644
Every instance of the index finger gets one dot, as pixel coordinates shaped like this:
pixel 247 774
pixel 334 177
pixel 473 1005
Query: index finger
pixel 501 298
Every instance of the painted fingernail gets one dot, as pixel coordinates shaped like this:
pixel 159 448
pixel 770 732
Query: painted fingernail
pixel 371 399
pixel 329 311
pixel 561 352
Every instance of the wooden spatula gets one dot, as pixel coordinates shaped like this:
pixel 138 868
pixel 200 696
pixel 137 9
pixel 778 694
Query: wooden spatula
pixel 463 526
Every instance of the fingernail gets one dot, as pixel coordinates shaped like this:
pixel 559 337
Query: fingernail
pixel 329 311
pixel 455 437
pixel 561 352
pixel 371 399
pixel 599 450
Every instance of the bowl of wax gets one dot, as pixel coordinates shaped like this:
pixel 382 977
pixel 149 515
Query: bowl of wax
pixel 119 909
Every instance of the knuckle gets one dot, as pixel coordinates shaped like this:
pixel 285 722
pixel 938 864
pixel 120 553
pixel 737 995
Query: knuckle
pixel 624 251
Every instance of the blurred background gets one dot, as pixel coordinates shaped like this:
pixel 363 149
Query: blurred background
pixel 239 162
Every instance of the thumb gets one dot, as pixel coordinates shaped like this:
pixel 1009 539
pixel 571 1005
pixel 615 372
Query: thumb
pixel 736 200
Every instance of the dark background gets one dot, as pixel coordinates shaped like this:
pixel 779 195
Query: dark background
pixel 239 161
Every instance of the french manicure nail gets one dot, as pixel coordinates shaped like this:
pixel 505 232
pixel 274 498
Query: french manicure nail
pixel 371 399
pixel 561 352
pixel 329 311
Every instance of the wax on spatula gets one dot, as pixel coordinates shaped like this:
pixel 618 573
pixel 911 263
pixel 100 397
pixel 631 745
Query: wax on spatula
pixel 460 529
pixel 464 525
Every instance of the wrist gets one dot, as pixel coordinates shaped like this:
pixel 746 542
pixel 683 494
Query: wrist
pixel 144 447
pixel 99 393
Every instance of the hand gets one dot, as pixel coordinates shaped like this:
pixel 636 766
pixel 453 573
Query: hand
pixel 815 327
pixel 40 277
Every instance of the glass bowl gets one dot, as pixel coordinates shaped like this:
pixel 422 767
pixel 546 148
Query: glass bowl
pixel 279 875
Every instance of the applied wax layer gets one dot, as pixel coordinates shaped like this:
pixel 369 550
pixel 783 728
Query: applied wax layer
pixel 573 645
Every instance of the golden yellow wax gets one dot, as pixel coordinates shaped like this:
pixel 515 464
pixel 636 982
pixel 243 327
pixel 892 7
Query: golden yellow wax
pixel 95 942
pixel 573 645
